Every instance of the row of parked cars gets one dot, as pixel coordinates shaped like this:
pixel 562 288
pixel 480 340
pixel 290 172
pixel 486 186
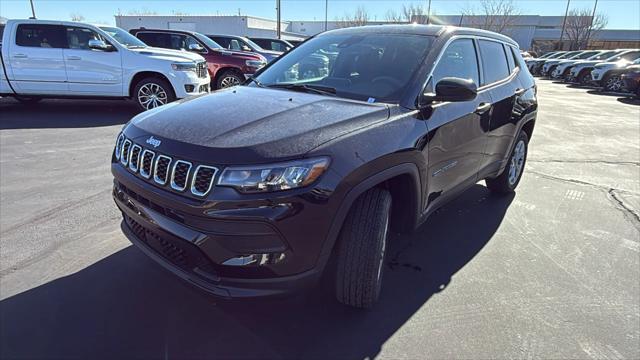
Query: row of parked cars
pixel 610 70
pixel 151 66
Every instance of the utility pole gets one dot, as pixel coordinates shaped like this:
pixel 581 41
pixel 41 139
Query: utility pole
pixel 33 11
pixel 326 13
pixel 429 13
pixel 593 17
pixel 278 17
pixel 564 23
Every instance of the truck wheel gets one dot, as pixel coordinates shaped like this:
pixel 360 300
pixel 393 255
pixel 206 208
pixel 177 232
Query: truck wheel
pixel 510 177
pixel 28 100
pixel 361 249
pixel 152 92
pixel 228 78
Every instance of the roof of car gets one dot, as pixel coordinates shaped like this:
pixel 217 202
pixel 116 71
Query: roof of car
pixel 417 29
pixel 163 30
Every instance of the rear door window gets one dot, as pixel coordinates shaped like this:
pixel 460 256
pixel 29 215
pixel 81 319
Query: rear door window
pixel 510 57
pixel 458 60
pixel 41 35
pixel 494 62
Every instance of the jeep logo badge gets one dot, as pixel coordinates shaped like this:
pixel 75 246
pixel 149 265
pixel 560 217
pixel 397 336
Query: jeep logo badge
pixel 154 142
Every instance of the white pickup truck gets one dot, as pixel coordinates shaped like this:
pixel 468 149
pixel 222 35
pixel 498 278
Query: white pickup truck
pixel 56 59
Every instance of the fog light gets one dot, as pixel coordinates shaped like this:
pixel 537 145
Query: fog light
pixel 189 88
pixel 255 259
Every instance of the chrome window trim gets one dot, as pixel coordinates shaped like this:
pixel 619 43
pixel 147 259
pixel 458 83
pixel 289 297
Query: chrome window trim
pixel 174 186
pixel 124 160
pixel 137 164
pixel 195 175
pixel 155 170
pixel 119 142
pixel 142 173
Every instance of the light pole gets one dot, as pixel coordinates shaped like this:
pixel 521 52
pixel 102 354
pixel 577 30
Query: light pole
pixel 564 23
pixel 429 13
pixel 33 11
pixel 326 13
pixel 278 17
pixel 593 17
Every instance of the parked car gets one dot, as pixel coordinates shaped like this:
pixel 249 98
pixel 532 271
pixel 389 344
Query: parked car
pixel 226 67
pixel 295 42
pixel 549 64
pixel 68 59
pixel 256 202
pixel 631 78
pixel 607 74
pixel 535 65
pixel 277 45
pixel 241 43
pixel 580 73
pixel 561 68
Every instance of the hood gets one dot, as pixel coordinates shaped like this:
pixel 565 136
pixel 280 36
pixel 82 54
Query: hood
pixel 620 64
pixel 244 125
pixel 168 54
pixel 589 62
pixel 243 54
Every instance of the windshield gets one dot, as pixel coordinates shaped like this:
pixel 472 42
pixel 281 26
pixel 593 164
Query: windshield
pixel 585 55
pixel 604 55
pixel 207 41
pixel 569 55
pixel 370 67
pixel 252 44
pixel 123 37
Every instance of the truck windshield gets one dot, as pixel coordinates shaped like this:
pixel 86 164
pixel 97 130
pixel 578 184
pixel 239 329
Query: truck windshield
pixel 210 43
pixel 369 67
pixel 123 37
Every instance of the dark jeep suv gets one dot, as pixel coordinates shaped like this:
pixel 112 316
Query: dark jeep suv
pixel 318 165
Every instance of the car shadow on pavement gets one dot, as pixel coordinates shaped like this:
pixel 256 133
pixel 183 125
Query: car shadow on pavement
pixel 629 100
pixel 64 113
pixel 125 306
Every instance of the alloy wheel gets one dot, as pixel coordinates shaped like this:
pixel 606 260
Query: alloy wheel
pixel 517 162
pixel 152 95
pixel 229 81
pixel 614 83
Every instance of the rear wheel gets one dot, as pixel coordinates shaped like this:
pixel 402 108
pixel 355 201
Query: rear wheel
pixel 228 78
pixel 152 92
pixel 510 177
pixel 613 83
pixel 361 249
pixel 584 78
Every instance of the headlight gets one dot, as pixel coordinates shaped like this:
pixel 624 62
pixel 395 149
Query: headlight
pixel 184 66
pixel 255 63
pixel 274 177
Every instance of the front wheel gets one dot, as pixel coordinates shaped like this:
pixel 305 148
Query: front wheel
pixel 228 78
pixel 510 177
pixel 361 249
pixel 613 83
pixel 152 92
pixel 584 78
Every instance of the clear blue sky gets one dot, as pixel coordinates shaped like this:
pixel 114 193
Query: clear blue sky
pixel 623 14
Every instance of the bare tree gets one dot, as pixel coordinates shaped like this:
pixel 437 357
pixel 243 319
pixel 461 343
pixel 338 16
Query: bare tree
pixel 493 15
pixel 359 18
pixel 410 13
pixel 580 27
pixel 143 11
pixel 76 17
pixel 392 16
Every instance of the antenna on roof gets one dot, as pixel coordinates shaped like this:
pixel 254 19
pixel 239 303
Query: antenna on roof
pixel 33 11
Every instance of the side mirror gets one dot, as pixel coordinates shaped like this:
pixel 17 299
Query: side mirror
pixel 196 47
pixel 99 45
pixel 453 89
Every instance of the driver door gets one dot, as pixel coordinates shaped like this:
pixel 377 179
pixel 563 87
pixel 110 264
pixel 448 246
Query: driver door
pixel 457 130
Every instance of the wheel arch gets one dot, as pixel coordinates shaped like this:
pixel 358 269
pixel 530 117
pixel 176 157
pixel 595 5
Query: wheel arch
pixel 221 71
pixel 403 181
pixel 143 75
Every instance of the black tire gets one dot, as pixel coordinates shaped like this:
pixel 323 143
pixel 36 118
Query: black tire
pixel 361 249
pixel 152 83
pixel 229 78
pixel 606 86
pixel 505 183
pixel 584 78
pixel 26 100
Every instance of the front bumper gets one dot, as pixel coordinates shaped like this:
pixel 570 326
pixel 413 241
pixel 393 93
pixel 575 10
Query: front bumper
pixel 193 255
pixel 183 81
pixel 596 76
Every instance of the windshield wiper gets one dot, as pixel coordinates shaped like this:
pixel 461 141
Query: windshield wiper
pixel 317 89
pixel 252 78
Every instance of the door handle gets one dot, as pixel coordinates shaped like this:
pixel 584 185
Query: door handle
pixel 20 56
pixel 74 58
pixel 520 91
pixel 482 108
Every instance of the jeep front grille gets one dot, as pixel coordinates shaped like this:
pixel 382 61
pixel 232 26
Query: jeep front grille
pixel 175 174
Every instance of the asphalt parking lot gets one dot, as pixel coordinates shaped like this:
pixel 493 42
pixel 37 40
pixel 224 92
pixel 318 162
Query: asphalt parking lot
pixel 551 272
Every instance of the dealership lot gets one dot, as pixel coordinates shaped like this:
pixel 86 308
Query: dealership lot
pixel 549 272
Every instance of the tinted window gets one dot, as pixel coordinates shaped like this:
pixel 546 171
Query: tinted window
pixel 458 60
pixel 78 38
pixel 166 40
pixel 42 36
pixel 224 42
pixel 494 61
pixel 509 52
pixel 631 56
